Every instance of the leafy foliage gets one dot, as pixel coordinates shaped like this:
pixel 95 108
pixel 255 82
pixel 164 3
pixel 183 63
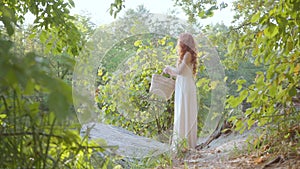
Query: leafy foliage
pixel 263 48
pixel 200 9
pixel 272 38
pixel 261 55
pixel 126 69
pixel 267 38
pixel 125 100
pixel 35 97
pixel 194 9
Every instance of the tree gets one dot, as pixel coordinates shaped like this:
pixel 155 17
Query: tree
pixel 34 135
pixel 269 32
pixel 193 9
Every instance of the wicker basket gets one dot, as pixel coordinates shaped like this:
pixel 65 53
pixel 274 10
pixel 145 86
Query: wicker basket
pixel 162 86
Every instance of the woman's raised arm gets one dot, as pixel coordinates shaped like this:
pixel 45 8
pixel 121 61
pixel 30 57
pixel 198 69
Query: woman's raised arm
pixel 187 58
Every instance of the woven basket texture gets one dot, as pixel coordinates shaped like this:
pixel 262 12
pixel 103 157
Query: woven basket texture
pixel 162 86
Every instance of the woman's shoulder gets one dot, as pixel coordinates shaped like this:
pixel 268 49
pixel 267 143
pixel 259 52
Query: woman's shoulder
pixel 188 53
pixel 187 57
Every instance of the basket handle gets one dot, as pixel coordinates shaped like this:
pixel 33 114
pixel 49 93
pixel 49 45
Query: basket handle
pixel 170 76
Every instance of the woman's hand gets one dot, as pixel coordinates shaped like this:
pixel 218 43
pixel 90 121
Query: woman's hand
pixel 171 71
pixel 166 70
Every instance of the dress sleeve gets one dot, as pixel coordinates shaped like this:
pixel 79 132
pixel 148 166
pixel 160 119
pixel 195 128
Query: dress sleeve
pixel 178 71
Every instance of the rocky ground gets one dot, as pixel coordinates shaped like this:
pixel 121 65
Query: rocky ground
pixel 230 152
pixel 224 152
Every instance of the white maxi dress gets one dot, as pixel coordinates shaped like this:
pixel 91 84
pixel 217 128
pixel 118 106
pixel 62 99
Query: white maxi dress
pixel 185 104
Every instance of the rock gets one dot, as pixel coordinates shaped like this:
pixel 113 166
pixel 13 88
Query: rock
pixel 130 145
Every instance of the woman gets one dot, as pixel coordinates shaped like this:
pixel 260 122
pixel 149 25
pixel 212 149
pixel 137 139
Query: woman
pixel 186 109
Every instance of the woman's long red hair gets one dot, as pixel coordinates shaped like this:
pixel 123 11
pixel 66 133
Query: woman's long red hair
pixel 188 47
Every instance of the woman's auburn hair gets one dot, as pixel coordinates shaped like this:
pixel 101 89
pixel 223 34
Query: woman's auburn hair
pixel 183 48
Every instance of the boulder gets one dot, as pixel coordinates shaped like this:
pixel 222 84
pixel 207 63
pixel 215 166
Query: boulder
pixel 129 144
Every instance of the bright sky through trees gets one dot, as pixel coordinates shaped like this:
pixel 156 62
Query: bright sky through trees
pixel 98 10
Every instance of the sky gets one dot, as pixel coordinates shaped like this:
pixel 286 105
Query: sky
pixel 98 10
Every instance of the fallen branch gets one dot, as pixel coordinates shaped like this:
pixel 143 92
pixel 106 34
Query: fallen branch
pixel 216 134
pixel 278 159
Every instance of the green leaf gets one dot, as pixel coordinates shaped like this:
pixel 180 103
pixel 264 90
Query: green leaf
pixel 234 102
pixel 137 43
pixel 250 123
pixel 71 2
pixel 2 116
pixel 287 135
pixel 29 88
pixel 255 17
pixel 249 111
pixel 34 109
pixel 225 78
pixel 273 90
pixel 231 47
pixel 262 121
pixel 239 88
pixel 8 18
pixel 293 92
pixel 271 30
pixel 232 119
pixel 43 37
pixel 58 104
pixel 260 82
pixel 240 83
pixel 271 71
pixel 238 125
pixel 243 95
pixel 9 28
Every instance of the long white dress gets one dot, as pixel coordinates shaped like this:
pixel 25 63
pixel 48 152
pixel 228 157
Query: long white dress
pixel 185 104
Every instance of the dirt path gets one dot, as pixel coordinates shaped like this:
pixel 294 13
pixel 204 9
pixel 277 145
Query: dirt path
pixel 230 152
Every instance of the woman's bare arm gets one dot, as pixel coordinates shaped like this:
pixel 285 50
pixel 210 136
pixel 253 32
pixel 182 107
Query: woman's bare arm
pixel 187 58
